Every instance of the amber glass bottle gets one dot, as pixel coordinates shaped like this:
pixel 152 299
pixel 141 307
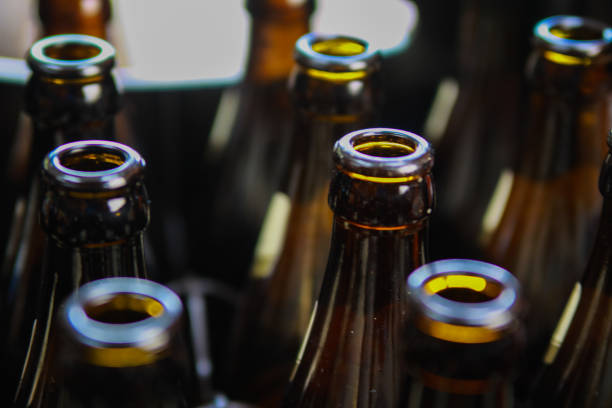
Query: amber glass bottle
pixel 246 160
pixel 541 221
pixel 335 88
pixel 93 208
pixel 89 17
pixel 381 195
pixel 464 336
pixel 70 96
pixel 118 343
pixel 577 371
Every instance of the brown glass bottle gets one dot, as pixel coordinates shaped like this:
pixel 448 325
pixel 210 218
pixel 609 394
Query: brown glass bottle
pixel 576 367
pixel 464 336
pixel 335 87
pixel 93 207
pixel 70 96
pixel 118 343
pixel 245 161
pixel 381 195
pixel 542 219
pixel 89 17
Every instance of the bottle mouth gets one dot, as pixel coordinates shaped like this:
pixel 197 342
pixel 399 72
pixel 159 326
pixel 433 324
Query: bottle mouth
pixel 93 165
pixel 578 39
pixel 336 54
pixel 384 155
pixel 464 301
pixel 122 321
pixel 71 56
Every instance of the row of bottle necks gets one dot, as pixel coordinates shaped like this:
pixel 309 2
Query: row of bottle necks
pixel 335 90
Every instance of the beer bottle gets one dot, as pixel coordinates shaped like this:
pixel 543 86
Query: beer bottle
pixel 93 207
pixel 576 368
pixel 464 335
pixel 89 17
pixel 118 343
pixel 335 86
pixel 245 161
pixel 381 195
pixel 69 96
pixel 542 218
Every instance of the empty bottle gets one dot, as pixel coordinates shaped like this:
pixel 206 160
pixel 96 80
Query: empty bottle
pixel 464 336
pixel 71 95
pixel 118 343
pixel 335 86
pixel 93 208
pixel 381 195
pixel 542 218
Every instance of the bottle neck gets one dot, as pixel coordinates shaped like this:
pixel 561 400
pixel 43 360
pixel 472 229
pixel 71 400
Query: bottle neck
pixel 82 17
pixel 406 245
pixel 463 336
pixel 67 111
pixel 567 119
pixel 273 39
pixel 359 318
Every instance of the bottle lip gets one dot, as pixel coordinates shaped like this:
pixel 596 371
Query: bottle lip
pixel 100 63
pixel 150 333
pixel 496 313
pixel 131 166
pixel 305 54
pixel 386 169
pixel 544 33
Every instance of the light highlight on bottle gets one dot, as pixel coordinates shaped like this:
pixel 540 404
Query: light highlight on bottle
pixel 455 281
pixel 121 357
pixel 564 59
pixel 457 333
pixel 339 47
pixel 374 179
pixel 335 76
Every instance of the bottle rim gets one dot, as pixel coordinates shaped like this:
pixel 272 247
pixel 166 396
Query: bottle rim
pixel 496 313
pixel 305 54
pixel 546 34
pixel 150 333
pixel 99 63
pixel 418 160
pixel 127 165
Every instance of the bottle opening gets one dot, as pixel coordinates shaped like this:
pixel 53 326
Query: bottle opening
pixel 71 56
pixel 71 51
pixel 92 161
pixel 383 155
pixel 93 166
pixel 124 308
pixel 463 288
pixel 580 33
pixel 384 148
pixel 572 40
pixel 339 47
pixel 463 300
pixel 347 58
